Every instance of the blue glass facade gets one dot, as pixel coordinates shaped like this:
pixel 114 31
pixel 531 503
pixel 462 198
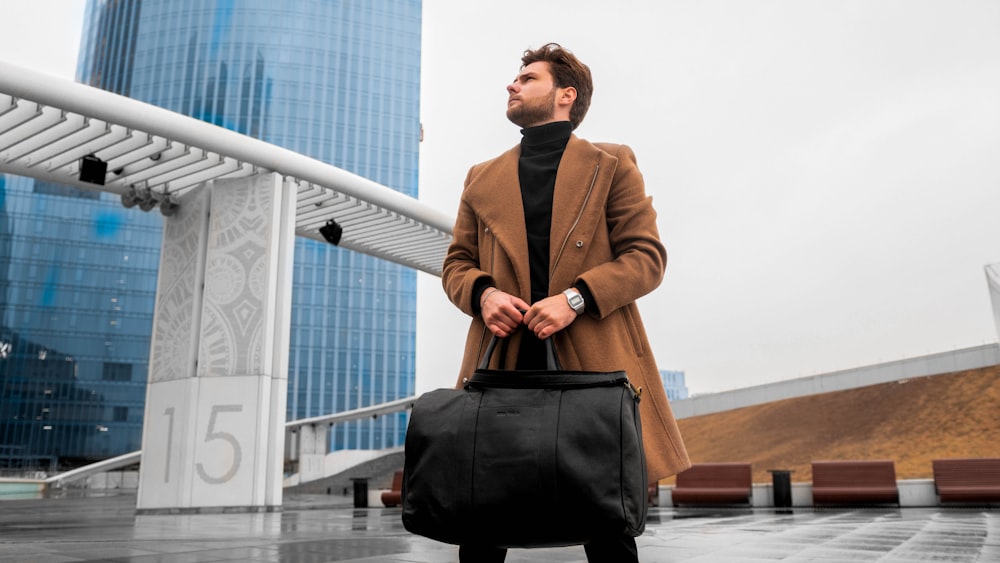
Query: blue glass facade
pixel 77 302
pixel 338 81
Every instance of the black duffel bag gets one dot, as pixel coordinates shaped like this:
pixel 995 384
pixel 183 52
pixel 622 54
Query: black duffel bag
pixel 526 459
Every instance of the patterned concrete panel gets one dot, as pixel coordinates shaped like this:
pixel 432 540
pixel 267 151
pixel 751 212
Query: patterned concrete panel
pixel 177 317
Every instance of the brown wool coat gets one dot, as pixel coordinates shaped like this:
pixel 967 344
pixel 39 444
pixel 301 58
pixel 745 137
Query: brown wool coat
pixel 603 233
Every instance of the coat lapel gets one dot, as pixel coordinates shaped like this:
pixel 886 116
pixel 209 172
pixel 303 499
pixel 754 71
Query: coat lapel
pixel 571 220
pixel 496 193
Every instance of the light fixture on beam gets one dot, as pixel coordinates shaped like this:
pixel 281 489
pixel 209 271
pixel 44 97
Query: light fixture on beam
pixel 168 205
pixel 130 197
pixel 331 232
pixel 93 170
pixel 146 199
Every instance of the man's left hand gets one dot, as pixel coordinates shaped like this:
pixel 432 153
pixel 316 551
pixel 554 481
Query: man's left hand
pixel 549 316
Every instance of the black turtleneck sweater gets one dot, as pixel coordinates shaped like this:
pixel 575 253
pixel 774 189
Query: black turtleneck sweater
pixel 541 150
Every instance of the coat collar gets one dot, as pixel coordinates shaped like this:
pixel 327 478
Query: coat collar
pixel 495 194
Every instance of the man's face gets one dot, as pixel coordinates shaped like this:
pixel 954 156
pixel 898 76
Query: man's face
pixel 532 96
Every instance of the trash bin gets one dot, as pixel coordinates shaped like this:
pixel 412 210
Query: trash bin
pixel 360 492
pixel 781 480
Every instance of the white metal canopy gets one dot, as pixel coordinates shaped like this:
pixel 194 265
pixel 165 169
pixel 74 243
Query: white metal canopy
pixel 48 125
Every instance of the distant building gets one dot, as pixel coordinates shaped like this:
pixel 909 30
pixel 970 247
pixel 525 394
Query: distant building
pixel 674 383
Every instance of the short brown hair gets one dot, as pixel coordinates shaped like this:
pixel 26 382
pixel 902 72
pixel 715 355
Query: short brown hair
pixel 567 70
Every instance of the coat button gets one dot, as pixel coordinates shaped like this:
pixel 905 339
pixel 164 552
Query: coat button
pixel 487 229
pixel 579 244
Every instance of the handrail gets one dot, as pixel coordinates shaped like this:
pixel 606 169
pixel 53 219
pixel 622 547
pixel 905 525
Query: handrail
pixel 356 414
pixel 132 458
pixel 118 462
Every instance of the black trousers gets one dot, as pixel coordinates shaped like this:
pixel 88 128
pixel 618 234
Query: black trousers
pixel 620 549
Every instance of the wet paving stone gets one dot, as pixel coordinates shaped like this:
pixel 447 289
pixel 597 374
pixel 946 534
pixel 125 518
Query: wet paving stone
pixel 322 529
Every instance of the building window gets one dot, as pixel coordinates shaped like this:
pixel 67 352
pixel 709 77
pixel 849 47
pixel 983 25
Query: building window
pixel 117 372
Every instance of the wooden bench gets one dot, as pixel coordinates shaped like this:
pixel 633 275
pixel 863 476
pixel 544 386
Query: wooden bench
pixel 967 480
pixel 714 483
pixel 854 482
pixel 394 496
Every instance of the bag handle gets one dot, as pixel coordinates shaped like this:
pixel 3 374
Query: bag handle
pixel 551 360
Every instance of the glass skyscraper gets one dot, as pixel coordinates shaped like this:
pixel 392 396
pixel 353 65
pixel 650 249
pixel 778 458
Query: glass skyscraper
pixel 335 80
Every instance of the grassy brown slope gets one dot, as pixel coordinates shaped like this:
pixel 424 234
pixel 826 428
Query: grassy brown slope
pixel 911 422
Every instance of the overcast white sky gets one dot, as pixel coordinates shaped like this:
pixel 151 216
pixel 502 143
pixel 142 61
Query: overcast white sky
pixel 825 171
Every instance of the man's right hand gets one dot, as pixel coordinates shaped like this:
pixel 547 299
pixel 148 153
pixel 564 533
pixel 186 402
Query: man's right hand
pixel 501 311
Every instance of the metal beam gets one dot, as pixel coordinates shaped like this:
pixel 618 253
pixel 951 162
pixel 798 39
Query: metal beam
pixel 48 124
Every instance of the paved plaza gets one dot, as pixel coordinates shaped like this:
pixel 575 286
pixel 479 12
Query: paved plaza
pixel 318 529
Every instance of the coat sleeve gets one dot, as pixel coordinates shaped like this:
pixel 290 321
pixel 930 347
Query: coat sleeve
pixel 639 257
pixel 462 267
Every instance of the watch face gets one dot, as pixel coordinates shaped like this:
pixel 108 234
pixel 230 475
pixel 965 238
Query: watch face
pixel 575 300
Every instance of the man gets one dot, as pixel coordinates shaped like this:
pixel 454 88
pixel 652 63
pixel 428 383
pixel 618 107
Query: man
pixel 562 229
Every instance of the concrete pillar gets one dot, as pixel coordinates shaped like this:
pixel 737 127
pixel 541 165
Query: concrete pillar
pixel 213 435
pixel 313 442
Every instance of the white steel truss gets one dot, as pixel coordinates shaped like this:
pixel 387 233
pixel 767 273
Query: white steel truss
pixel 49 125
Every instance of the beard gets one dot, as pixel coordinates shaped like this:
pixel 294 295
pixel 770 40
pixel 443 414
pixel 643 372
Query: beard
pixel 533 111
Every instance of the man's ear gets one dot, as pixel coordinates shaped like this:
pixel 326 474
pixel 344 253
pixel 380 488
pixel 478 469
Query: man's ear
pixel 567 95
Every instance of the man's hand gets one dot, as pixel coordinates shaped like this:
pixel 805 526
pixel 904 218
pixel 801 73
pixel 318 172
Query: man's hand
pixel 501 311
pixel 549 316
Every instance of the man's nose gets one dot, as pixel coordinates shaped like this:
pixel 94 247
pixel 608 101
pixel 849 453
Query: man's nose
pixel 512 88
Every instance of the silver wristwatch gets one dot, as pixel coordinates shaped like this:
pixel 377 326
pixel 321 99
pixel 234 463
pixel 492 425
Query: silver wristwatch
pixel 575 300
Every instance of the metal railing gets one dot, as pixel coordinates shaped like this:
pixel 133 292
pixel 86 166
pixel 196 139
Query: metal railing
pixel 373 411
pixel 132 458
